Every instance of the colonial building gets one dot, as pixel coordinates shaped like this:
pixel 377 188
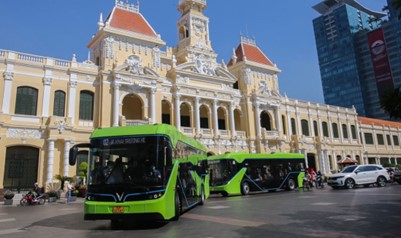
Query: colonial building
pixel 132 77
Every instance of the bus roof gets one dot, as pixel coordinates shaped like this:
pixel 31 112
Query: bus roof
pixel 240 156
pixel 154 129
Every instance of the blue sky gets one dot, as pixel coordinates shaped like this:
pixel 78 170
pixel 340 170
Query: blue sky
pixel 282 29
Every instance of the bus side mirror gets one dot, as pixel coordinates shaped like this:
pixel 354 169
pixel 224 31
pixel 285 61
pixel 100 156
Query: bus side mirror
pixel 72 159
pixel 73 155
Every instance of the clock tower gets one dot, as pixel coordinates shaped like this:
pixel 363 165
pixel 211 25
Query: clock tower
pixel 193 33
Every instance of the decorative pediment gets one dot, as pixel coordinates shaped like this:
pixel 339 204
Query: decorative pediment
pixel 133 64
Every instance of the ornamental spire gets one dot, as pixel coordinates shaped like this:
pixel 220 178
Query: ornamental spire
pixel 127 6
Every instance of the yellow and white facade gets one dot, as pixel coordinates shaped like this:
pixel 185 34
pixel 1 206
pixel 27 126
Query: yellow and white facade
pixel 49 104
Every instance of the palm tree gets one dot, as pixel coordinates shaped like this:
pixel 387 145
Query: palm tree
pixel 62 180
pixel 391 103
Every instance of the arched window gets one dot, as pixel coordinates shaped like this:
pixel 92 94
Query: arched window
pixel 284 127
pixel 353 132
pixel 315 128
pixel 59 103
pixel 27 100
pixel 325 129
pixel 265 121
pixel 293 126
pixel 335 130
pixel 86 105
pixel 345 131
pixel 305 127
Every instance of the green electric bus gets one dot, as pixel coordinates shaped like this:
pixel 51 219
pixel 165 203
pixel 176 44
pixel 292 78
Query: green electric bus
pixel 242 173
pixel 147 172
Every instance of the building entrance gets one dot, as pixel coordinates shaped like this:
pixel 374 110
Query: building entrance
pixel 21 167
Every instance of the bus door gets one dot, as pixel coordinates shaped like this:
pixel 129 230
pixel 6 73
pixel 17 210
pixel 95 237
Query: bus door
pixel 188 185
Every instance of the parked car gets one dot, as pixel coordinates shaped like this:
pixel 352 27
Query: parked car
pixel 397 176
pixel 359 175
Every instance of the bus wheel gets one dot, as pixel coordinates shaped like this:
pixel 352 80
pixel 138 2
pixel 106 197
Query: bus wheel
pixel 177 203
pixel 245 188
pixel 203 196
pixel 290 184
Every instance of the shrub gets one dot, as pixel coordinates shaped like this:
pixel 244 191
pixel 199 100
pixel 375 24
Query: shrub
pixel 74 193
pixel 52 193
pixel 9 195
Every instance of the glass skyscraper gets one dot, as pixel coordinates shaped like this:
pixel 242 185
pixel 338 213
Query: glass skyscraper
pixel 349 73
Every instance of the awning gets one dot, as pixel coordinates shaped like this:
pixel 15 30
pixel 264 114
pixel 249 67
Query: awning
pixel 347 160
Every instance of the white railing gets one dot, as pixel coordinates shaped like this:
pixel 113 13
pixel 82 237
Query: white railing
pixel 187 130
pixel 200 1
pixel 224 133
pixel 272 133
pixel 31 58
pixel 206 131
pixel 135 122
pixel 62 63
pixel 85 123
pixel 240 134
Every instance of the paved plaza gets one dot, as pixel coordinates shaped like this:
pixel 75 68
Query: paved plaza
pixel 361 212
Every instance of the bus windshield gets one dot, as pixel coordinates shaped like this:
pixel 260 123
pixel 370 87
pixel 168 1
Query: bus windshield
pixel 136 161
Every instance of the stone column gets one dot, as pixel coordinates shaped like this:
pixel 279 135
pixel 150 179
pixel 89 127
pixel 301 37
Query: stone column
pixel 197 117
pixel 289 125
pixel 71 100
pixel 278 118
pixel 232 122
pixel 215 118
pixel 116 103
pixel 177 111
pixel 257 120
pixel 298 118
pixel 152 105
pixel 67 145
pixel 8 84
pixel 50 160
pixel 47 80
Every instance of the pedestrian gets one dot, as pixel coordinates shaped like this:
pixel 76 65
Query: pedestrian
pixel 70 188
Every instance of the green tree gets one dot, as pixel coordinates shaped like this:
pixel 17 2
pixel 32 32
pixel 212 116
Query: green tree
pixel 391 103
pixel 83 169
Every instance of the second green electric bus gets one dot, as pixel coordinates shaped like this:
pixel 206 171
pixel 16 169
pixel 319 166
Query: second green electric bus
pixel 242 173
pixel 142 172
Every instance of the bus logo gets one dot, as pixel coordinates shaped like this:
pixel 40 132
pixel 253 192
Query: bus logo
pixel 120 197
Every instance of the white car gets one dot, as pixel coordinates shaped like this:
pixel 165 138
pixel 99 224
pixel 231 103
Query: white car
pixel 359 175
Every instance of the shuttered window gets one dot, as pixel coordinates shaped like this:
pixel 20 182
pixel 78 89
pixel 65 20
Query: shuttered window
pixel 27 100
pixel 86 106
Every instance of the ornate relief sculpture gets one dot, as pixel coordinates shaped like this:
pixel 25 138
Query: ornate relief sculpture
pixel 134 64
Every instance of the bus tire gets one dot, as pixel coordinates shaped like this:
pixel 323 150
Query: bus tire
pixel 203 196
pixel 245 188
pixel 177 206
pixel 291 184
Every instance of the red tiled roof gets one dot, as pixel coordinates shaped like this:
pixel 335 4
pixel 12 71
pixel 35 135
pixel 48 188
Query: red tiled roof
pixel 378 122
pixel 252 53
pixel 130 21
pixel 347 160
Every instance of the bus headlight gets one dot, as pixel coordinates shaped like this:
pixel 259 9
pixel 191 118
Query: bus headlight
pixel 155 195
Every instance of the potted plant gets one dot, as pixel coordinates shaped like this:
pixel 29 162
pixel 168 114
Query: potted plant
pixel 8 197
pixel 74 194
pixel 52 195
pixel 82 191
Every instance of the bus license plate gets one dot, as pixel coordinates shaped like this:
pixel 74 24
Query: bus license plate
pixel 118 209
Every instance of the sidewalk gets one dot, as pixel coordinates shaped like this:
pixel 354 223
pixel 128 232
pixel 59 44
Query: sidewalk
pixel 62 200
